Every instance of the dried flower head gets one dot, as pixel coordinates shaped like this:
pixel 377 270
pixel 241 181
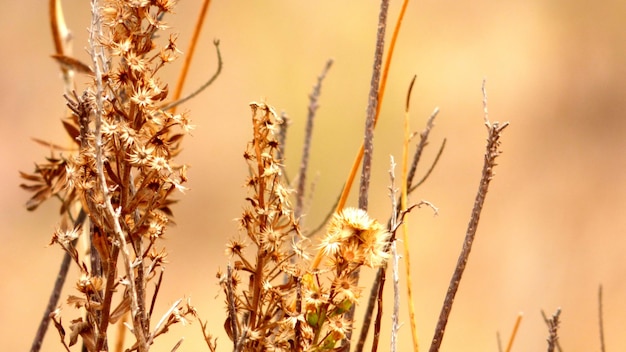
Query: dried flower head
pixel 353 237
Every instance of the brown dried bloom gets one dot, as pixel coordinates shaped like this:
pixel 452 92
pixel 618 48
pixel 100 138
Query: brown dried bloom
pixel 353 237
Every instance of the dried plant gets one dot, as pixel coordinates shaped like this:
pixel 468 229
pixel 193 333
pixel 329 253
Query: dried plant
pixel 284 291
pixel 307 312
pixel 120 173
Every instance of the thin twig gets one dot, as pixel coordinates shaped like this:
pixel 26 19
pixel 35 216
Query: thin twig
pixel 53 300
pixel 308 133
pixel 499 342
pixel 193 94
pixel 553 327
pixel 379 314
pixel 157 288
pixel 601 320
pixel 177 345
pixel 232 311
pixel 547 321
pixel 160 324
pixel 491 153
pixel 432 167
pixel 430 123
pixel 395 315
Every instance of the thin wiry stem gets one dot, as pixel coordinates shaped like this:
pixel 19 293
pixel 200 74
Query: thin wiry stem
pixel 379 315
pixel 432 167
pixel 308 133
pixel 491 153
pixel 193 94
pixel 190 52
pixel 232 311
pixel 395 315
pixel 56 291
pixel 601 320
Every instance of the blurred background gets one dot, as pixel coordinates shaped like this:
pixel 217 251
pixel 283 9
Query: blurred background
pixel 553 227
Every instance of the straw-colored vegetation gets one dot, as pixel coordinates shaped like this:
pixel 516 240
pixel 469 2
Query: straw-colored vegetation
pixel 284 289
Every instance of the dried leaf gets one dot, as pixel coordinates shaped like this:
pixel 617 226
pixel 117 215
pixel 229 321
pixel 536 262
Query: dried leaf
pixel 71 63
pixel 30 177
pixel 72 130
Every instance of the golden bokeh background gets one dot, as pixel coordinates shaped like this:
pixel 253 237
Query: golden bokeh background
pixel 554 225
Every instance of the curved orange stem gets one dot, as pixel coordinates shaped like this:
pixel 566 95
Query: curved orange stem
pixel 381 92
pixel 192 48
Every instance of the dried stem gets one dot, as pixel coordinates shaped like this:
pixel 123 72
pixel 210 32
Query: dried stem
pixel 491 153
pixel 404 205
pixel 518 321
pixel 370 122
pixel 395 317
pixel 230 299
pixel 53 300
pixel 601 320
pixel 553 327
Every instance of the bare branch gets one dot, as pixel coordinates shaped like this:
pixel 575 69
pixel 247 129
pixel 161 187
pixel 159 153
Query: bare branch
pixel 370 122
pixel 553 327
pixel 491 153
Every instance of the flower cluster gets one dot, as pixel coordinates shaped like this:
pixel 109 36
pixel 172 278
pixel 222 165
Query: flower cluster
pixel 122 174
pixel 291 303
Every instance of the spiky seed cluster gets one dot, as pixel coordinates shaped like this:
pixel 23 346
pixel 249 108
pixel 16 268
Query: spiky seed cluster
pixel 354 239
pixel 306 311
pixel 125 139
